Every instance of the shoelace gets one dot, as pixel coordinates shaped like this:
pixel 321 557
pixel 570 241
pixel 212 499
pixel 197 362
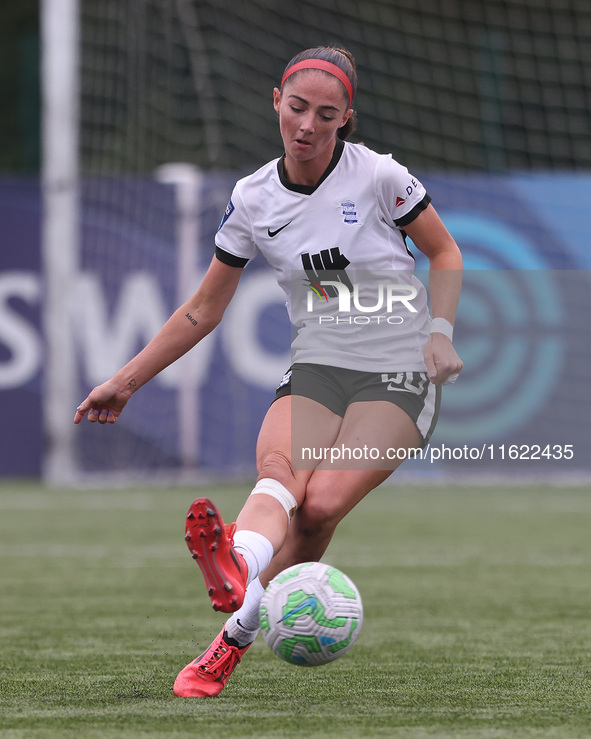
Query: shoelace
pixel 220 659
pixel 230 531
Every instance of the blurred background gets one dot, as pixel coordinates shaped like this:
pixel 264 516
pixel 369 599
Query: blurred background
pixel 124 125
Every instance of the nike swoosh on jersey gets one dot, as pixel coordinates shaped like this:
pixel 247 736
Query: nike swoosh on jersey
pixel 274 233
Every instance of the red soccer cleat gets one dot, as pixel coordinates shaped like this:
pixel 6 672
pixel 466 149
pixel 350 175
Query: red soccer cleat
pixel 211 545
pixel 208 674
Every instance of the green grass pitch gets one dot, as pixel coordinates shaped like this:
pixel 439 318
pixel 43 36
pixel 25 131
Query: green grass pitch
pixel 477 619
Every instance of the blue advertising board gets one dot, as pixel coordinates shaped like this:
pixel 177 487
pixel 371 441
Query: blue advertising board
pixel 522 402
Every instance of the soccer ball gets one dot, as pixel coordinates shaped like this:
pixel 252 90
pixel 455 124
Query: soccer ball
pixel 310 614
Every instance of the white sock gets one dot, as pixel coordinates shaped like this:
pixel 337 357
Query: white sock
pixel 256 549
pixel 243 625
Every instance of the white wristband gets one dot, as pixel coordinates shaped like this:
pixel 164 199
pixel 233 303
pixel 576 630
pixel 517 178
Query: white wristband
pixel 442 326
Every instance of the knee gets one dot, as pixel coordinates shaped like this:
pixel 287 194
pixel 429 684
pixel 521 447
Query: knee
pixel 275 465
pixel 318 514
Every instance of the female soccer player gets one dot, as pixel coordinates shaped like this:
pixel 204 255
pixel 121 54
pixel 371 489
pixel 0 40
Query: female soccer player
pixel 331 218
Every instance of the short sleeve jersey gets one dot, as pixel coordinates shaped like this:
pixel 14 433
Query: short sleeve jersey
pixel 338 251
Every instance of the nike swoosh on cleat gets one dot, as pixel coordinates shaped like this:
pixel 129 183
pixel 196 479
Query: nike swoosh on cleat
pixel 274 233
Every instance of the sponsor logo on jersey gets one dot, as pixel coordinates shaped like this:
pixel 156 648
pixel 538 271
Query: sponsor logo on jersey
pixel 227 213
pixel 329 264
pixel 400 201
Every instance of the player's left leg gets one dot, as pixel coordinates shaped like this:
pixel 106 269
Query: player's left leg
pixel 207 675
pixel 334 488
pixel 374 439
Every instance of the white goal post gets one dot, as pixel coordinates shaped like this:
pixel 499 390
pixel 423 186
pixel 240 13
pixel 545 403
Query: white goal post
pixel 60 230
pixel 61 247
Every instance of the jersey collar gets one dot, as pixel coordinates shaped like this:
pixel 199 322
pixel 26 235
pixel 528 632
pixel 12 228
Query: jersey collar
pixel 309 189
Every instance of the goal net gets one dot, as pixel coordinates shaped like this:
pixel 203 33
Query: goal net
pixel 447 84
pixel 174 104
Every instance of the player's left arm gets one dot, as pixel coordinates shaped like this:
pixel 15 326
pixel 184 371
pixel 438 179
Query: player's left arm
pixel 430 235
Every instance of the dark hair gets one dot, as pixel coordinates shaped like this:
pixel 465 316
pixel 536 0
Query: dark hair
pixel 343 59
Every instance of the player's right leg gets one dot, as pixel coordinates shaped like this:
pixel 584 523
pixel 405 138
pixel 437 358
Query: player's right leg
pixel 217 549
pixel 270 513
pixel 211 543
pixel 231 557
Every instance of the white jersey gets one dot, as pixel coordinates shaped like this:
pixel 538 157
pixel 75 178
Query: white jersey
pixel 338 251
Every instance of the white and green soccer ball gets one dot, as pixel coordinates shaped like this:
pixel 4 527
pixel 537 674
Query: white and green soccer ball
pixel 311 614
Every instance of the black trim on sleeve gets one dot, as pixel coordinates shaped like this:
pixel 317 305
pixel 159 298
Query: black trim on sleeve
pixel 230 259
pixel 412 214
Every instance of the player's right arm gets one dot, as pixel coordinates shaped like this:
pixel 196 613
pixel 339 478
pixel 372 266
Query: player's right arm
pixel 184 329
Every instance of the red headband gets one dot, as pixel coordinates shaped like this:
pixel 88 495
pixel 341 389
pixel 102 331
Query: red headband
pixel 325 67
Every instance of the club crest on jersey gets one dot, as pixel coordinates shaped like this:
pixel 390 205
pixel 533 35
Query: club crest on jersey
pixel 349 212
pixel 227 213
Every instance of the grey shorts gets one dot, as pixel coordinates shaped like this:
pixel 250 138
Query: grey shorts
pixel 336 388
